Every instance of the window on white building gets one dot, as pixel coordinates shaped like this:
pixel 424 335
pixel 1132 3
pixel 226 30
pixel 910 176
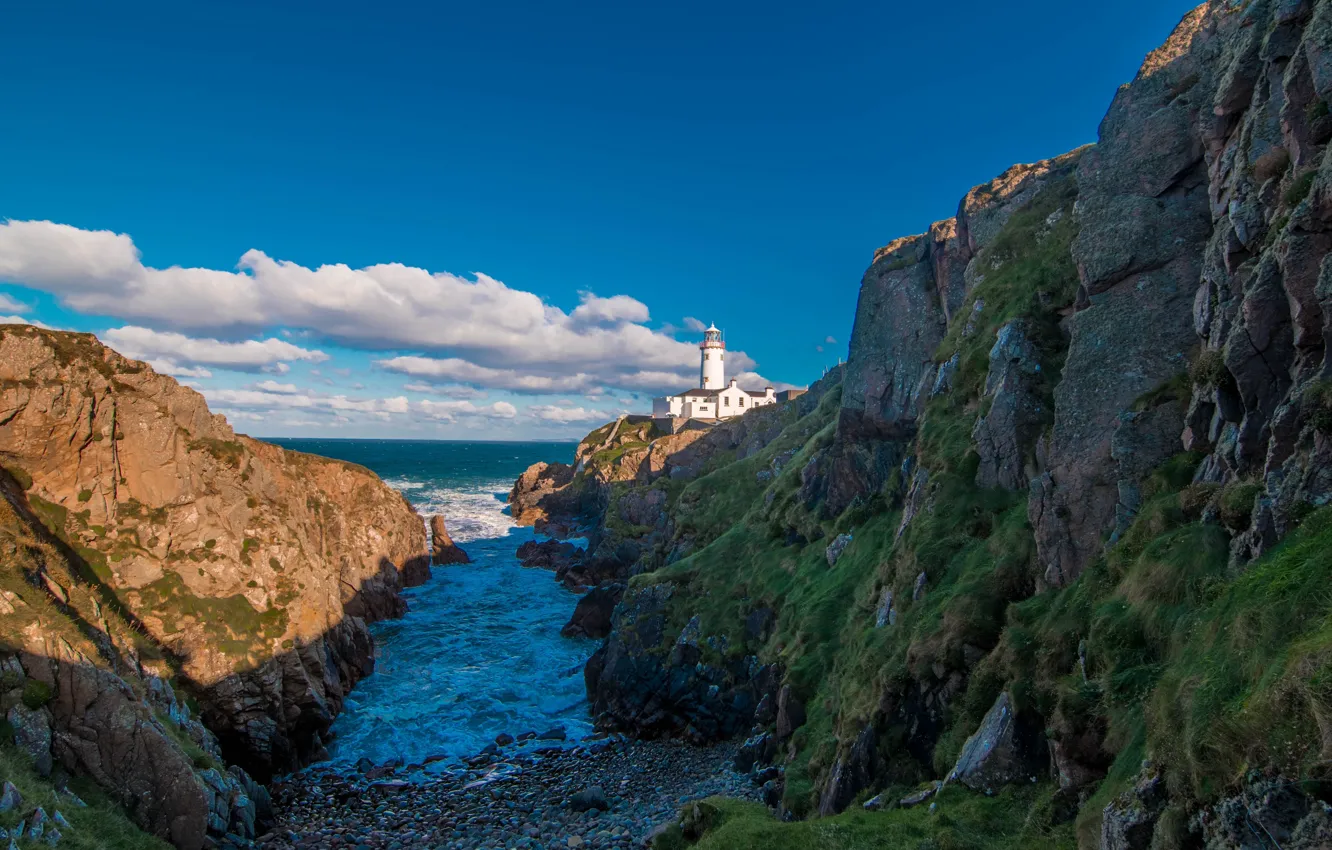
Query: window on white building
pixel 705 356
pixel 742 402
pixel 726 402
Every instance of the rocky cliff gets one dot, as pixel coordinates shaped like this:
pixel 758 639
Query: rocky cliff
pixel 242 572
pixel 1060 519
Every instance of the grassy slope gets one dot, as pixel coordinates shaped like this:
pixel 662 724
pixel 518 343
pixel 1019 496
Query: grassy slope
pixel 1207 672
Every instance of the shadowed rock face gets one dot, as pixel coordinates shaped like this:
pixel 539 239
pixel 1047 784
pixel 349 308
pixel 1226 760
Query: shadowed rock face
pixel 257 567
pixel 911 293
pixel 105 709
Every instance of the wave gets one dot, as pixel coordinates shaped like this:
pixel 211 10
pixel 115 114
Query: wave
pixel 404 484
pixel 471 512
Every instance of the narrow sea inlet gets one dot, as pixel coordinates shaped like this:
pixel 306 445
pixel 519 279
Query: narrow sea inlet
pixel 479 651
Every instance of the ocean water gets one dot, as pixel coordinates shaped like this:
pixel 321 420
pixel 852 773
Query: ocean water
pixel 479 651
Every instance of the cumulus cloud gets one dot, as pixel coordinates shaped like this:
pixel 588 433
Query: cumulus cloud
pixel 616 310
pixel 563 414
pixel 449 390
pixel 268 400
pixel 14 306
pixel 451 411
pixel 175 370
pixel 389 307
pixel 169 352
pixel 19 320
pixel 272 386
pixel 692 324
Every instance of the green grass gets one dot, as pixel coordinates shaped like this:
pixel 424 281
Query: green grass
pixel 1018 818
pixel 103 825
pixel 1300 188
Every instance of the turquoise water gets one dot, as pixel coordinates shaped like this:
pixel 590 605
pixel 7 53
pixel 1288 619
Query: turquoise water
pixel 479 651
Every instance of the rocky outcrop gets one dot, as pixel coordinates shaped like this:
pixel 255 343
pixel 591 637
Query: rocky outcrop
pixel 443 550
pixel 1204 223
pixel 84 692
pixel 1007 747
pixel 653 683
pixel 1005 436
pixel 913 290
pixel 255 566
pixel 592 616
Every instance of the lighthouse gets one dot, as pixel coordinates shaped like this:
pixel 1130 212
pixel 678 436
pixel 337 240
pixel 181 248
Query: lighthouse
pixel 715 398
pixel 712 361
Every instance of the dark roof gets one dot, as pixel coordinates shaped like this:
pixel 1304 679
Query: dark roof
pixel 697 393
pixel 757 394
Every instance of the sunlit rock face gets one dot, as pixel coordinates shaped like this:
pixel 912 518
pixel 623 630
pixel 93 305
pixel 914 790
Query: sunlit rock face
pixel 257 567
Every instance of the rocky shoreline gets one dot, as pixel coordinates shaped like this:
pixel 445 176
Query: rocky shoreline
pixel 532 793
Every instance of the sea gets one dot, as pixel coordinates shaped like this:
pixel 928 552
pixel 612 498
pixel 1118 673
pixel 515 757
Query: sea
pixel 479 651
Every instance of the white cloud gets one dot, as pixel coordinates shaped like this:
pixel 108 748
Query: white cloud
pixel 616 310
pixel 175 370
pixel 272 386
pixel 451 411
pixel 564 415
pixel 694 325
pixel 450 391
pixel 830 341
pixel 529 346
pixel 12 305
pixel 456 370
pixel 19 320
pixel 173 350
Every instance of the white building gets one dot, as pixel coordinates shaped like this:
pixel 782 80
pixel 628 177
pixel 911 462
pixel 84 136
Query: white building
pixel 715 398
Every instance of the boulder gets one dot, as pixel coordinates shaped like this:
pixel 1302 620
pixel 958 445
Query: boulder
pixel 836 548
pixel 442 548
pixel 592 616
pixel 1129 820
pixel 1005 748
pixel 790 713
pixel 851 773
pixel 590 798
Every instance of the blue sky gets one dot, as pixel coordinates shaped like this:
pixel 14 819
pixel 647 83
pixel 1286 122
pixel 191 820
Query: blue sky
pixel 611 170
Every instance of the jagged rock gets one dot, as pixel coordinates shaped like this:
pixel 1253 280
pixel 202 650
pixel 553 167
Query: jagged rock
pixel 922 796
pixel 1129 820
pixel 790 713
pixel 1269 811
pixel 314 547
pixel 836 548
pixel 917 498
pixel 755 752
pixel 10 798
pixel 1005 748
pixel 32 736
pixel 886 614
pixel 918 591
pixel 442 548
pixel 851 774
pixel 592 616
pixel 1005 436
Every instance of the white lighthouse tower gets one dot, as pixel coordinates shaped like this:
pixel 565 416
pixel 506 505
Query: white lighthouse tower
pixel 712 363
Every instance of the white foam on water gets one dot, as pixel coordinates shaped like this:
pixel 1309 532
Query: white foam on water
pixel 404 484
pixel 479 651
pixel 471 513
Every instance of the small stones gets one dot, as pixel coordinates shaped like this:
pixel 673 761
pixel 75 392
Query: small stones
pixel 607 794
pixel 503 739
